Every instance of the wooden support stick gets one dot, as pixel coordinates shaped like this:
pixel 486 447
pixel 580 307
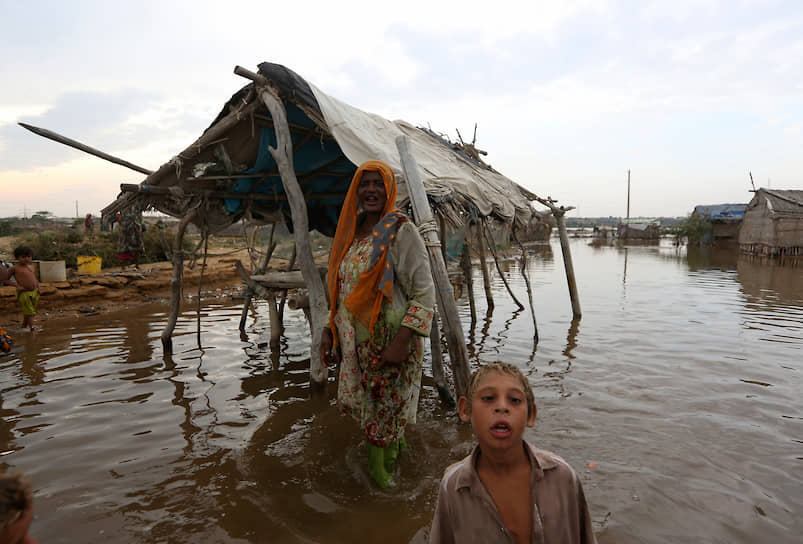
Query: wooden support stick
pixel 437 362
pixel 523 268
pixel 559 214
pixel 491 245
pixel 283 156
pixel 176 283
pixel 445 293
pixel 260 270
pixel 290 266
pixel 486 280
pixel 205 236
pixel 468 274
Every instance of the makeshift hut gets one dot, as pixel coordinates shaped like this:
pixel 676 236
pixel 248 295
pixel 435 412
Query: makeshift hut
pixel 639 229
pixel 725 220
pixel 281 150
pixel 773 224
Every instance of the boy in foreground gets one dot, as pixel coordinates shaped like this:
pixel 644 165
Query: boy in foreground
pixel 507 490
pixel 27 284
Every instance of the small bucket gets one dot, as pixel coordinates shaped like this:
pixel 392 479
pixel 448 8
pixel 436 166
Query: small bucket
pixel 88 265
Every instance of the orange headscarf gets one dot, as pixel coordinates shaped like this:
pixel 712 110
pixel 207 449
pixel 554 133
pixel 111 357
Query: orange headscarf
pixel 365 300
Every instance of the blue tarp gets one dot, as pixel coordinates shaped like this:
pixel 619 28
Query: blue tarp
pixel 721 211
pixel 323 193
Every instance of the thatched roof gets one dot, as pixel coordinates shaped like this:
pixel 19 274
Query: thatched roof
pixel 780 203
pixel 228 173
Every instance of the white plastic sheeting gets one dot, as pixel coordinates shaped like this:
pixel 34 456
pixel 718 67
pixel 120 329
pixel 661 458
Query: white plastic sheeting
pixel 365 136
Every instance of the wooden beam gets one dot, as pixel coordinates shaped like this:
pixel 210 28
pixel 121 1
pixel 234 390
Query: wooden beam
pixel 283 155
pixel 567 260
pixel 50 135
pixel 445 293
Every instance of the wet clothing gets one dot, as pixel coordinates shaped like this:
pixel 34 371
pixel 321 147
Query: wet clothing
pixel 130 232
pixel 28 300
pixel 384 400
pixel 465 511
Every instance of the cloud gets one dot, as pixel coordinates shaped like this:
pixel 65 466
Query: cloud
pixel 113 122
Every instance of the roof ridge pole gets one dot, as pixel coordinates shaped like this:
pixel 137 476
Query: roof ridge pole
pixel 422 213
pixel 283 155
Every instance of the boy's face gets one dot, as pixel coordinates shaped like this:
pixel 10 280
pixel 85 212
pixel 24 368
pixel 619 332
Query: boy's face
pixel 497 412
pixel 25 259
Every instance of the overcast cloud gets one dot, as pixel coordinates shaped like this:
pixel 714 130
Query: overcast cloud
pixel 568 95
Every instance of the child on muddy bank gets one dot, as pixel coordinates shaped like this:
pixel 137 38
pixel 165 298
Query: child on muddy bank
pixel 16 510
pixel 26 282
pixel 507 490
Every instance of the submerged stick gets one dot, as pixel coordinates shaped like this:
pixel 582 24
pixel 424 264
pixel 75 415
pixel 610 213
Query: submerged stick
pixel 490 241
pixel 523 268
pixel 50 135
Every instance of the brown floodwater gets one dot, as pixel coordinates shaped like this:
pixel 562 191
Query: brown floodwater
pixel 678 398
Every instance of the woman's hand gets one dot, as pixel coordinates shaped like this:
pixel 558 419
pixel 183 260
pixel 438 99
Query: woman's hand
pixel 395 353
pixel 329 356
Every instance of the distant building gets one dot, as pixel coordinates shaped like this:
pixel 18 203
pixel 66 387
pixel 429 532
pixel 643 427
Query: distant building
pixel 725 220
pixel 640 229
pixel 773 224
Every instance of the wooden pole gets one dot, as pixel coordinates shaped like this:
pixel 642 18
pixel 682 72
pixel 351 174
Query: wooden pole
pixel 437 362
pixel 523 268
pixel 628 194
pixel 260 270
pixel 567 260
pixel 468 274
pixel 283 155
pixel 491 245
pixel 486 280
pixel 176 283
pixel 50 135
pixel 444 290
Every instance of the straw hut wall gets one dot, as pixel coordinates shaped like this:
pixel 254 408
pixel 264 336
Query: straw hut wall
pixel 773 224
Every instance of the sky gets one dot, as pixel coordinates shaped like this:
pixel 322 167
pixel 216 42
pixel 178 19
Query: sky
pixel 689 96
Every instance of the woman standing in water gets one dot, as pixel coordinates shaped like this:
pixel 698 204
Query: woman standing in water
pixel 382 296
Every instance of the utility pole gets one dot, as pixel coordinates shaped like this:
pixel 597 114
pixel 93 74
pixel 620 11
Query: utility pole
pixel 628 194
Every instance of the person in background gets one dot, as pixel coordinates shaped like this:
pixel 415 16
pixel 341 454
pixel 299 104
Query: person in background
pixel 26 282
pixel 507 490
pixel 130 246
pixel 382 298
pixel 16 510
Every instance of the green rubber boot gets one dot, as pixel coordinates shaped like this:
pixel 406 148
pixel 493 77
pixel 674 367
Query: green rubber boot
pixel 376 466
pixel 391 454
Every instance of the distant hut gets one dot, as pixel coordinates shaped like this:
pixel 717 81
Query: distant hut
pixel 725 220
pixel 773 224
pixel 539 228
pixel 640 229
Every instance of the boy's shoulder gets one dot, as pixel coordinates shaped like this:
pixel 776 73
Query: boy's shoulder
pixel 544 462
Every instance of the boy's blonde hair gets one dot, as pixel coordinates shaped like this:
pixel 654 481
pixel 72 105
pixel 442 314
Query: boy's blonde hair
pixel 504 368
pixel 15 499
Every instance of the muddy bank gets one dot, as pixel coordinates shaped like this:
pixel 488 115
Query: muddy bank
pixel 117 288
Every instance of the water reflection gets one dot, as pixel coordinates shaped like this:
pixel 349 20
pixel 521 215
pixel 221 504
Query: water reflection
pixel 685 394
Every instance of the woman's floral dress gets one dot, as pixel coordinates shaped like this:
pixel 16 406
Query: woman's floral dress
pixel 384 400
